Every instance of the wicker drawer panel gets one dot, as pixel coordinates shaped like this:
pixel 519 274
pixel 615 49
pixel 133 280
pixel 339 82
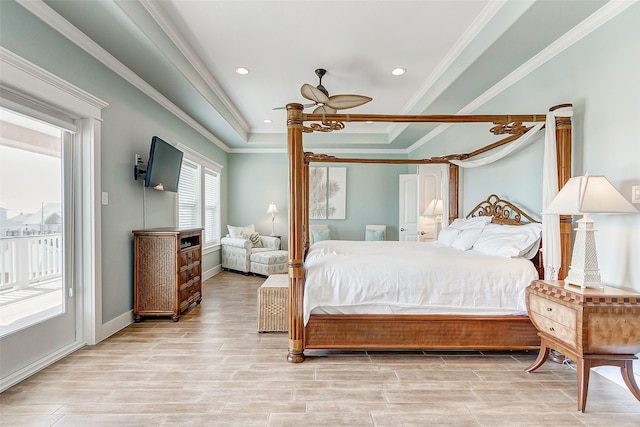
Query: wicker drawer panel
pixel 189 259
pixel 187 276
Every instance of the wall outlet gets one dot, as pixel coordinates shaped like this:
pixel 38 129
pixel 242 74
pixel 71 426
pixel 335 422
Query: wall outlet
pixel 635 194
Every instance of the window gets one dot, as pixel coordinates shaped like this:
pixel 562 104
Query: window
pixel 189 195
pixel 199 195
pixel 211 207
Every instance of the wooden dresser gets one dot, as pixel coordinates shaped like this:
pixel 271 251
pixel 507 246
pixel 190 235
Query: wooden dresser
pixel 167 271
pixel 593 327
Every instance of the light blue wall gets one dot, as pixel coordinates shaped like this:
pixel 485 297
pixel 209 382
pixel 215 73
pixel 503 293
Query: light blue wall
pixel 599 76
pixel 129 122
pixel 259 179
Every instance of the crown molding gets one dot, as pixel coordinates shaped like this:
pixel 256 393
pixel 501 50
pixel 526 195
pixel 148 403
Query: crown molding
pixel 210 83
pixel 577 33
pixel 73 34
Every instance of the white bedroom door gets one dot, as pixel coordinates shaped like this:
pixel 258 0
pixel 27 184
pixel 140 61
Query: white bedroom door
pixel 408 203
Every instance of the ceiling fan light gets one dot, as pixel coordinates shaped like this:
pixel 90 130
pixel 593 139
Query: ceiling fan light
pixel 398 71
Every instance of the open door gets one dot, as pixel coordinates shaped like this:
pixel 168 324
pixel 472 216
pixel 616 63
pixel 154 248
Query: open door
pixel 408 203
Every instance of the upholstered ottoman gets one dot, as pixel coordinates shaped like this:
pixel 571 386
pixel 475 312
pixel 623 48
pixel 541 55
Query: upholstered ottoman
pixel 268 263
pixel 273 303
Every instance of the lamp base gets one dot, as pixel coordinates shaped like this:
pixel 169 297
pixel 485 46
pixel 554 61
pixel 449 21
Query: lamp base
pixel 584 271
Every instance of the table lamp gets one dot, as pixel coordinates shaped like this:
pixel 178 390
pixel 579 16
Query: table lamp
pixel 273 211
pixel 585 195
pixel 434 208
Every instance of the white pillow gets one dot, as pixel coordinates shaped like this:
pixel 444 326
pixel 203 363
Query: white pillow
pixel 469 230
pixel 467 238
pixel 533 249
pixel 509 240
pixel 241 232
pixel 473 222
pixel 447 236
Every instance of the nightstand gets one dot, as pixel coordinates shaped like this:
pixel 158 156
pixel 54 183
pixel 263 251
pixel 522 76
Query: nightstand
pixel 593 327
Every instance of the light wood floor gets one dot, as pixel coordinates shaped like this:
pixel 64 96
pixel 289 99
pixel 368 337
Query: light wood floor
pixel 213 369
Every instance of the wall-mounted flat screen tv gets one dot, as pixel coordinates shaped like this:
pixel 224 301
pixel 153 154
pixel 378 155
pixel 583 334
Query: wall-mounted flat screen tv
pixel 163 170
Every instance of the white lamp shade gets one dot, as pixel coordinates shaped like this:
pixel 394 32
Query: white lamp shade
pixel 433 208
pixel 589 194
pixel 272 209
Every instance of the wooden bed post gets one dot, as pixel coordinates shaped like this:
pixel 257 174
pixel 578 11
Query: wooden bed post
pixel 305 205
pixel 563 153
pixel 454 192
pixel 296 268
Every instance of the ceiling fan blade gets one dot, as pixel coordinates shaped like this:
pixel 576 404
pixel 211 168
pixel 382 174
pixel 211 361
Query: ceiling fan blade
pixel 324 109
pixel 314 94
pixel 341 102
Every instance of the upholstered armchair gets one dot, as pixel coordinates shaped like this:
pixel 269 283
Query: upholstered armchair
pixel 236 252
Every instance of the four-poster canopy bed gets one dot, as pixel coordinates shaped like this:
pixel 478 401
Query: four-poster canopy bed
pixel 408 331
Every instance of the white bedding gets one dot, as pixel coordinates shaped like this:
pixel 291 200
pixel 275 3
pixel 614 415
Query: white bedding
pixel 342 275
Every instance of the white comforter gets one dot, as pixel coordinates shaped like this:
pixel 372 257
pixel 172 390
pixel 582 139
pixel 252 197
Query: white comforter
pixel 413 274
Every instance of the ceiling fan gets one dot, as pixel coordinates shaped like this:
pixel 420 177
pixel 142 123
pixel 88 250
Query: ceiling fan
pixel 326 104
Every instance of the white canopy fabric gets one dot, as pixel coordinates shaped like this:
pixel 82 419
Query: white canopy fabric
pixel 552 254
pixel 550 223
pixel 504 152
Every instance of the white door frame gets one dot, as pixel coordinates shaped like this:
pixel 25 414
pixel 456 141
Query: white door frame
pixel 33 91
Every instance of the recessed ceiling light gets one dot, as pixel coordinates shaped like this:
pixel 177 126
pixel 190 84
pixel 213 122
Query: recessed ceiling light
pixel 242 70
pixel 398 71
pixel 268 121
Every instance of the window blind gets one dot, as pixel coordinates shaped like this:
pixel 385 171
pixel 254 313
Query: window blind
pixel 188 195
pixel 211 208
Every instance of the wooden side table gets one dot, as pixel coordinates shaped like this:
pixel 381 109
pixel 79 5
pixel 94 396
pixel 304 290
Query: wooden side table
pixel 593 327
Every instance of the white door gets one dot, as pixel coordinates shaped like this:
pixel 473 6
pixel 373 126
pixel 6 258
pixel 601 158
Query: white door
pixel 408 215
pixel 37 310
pixel 433 182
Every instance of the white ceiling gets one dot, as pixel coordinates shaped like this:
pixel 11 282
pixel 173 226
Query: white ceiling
pixel 454 52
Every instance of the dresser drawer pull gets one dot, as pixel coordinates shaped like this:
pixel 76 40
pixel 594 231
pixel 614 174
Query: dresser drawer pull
pixel 549 309
pixel 552 329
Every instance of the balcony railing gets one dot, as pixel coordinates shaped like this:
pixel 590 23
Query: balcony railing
pixel 28 260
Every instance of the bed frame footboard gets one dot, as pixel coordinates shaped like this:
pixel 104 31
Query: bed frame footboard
pixel 420 332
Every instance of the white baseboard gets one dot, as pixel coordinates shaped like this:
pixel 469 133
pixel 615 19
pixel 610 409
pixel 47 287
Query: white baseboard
pixel 211 272
pixel 38 365
pixel 113 326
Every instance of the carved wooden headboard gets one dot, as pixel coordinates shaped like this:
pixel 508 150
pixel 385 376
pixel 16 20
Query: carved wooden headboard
pixel 502 211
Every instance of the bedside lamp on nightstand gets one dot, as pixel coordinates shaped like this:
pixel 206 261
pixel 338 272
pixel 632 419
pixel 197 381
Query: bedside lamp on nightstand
pixel 584 195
